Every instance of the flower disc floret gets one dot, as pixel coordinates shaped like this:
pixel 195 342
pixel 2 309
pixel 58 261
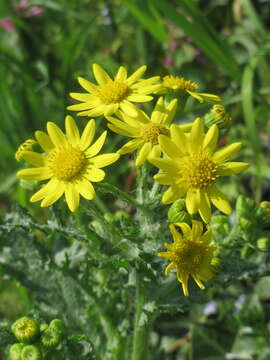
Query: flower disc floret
pixel 179 83
pixel 190 254
pixel 113 92
pixel 69 161
pixel 150 132
pixel 198 170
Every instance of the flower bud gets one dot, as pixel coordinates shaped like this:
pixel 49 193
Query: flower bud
pixel 57 324
pixel 26 146
pixel 245 207
pixel 15 352
pixel 25 329
pixel 219 116
pixel 43 327
pixel 178 213
pixel 31 352
pixel 263 244
pixel 264 211
pixel 51 338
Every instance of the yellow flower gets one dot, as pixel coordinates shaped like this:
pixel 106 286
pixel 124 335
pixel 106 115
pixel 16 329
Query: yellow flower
pixel 180 85
pixel 69 162
pixel 193 166
pixel 190 254
pixel 25 146
pixel 144 130
pixel 110 95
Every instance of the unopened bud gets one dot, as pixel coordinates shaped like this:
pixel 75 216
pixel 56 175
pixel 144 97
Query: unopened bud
pixel 219 116
pixel 31 352
pixel 177 212
pixel 264 208
pixel 58 325
pixel 15 352
pixel 51 338
pixel 263 244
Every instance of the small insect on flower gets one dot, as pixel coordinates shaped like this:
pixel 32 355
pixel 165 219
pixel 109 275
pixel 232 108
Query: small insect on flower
pixel 144 130
pixel 181 86
pixel 190 254
pixel 70 162
pixel 111 95
pixel 193 166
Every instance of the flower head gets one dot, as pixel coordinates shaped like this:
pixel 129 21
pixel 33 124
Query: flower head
pixel 111 95
pixel 144 130
pixel 193 166
pixel 25 329
pixel 190 254
pixel 180 85
pixel 69 162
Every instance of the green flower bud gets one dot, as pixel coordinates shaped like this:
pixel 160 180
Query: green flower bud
pixel 43 327
pixel 51 338
pixel 15 352
pixel 31 352
pixel 245 207
pixel 25 329
pixel 264 211
pixel 57 324
pixel 263 244
pixel 215 265
pixel 177 212
pixel 245 224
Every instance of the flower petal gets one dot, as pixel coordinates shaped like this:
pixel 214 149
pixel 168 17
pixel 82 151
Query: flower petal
pixel 164 179
pixel 121 74
pixel 169 147
pixel 179 138
pixel 129 108
pixel 72 196
pixel 143 153
pixel 96 147
pixel 56 134
pixel 46 190
pixel 169 268
pixel 231 168
pixel 87 135
pixel 219 200
pixel 53 196
pixel 91 100
pixel 227 152
pixel 72 131
pixel 86 189
pixel 94 174
pixel 33 158
pixel 173 193
pixel 210 140
pixel 192 200
pixel 196 136
pixel 202 97
pixel 111 109
pixel 207 237
pixel 197 229
pixel 170 112
pixel 139 98
pixel 136 75
pixel 103 160
pixel 205 207
pixel 39 173
pixel 80 107
pixel 185 228
pixel 101 75
pixel 87 85
pixel 165 164
pixel 132 131
pixel 130 146
pixel 44 141
pixel 182 277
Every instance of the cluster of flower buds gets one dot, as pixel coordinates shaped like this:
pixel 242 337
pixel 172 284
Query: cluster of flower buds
pixel 35 339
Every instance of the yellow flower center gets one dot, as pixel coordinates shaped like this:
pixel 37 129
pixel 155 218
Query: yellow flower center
pixel 67 162
pixel 198 170
pixel 151 131
pixel 178 83
pixel 188 255
pixel 112 92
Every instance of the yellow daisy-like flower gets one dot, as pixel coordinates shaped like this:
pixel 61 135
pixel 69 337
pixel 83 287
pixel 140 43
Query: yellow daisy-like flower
pixel 193 166
pixel 25 146
pixel 69 162
pixel 111 95
pixel 144 130
pixel 180 85
pixel 190 254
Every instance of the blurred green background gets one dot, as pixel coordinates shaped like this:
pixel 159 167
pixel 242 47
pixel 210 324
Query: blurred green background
pixel 224 45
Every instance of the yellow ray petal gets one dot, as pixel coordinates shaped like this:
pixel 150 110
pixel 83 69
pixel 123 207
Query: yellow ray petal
pixel 81 106
pixel 46 190
pixel 44 141
pixel 143 153
pixel 170 113
pixel 72 196
pixel 72 131
pixel 56 134
pixel 95 174
pixel 207 237
pixel 96 147
pixel 139 98
pixel 87 85
pixel 179 138
pixel 87 135
pixel 33 158
pixel 86 189
pixel 169 147
pixel 193 200
pixel 176 235
pixel 167 165
pixel 227 152
pixel 198 282
pixel 197 136
pixel 210 140
pixel 182 277
pixel 100 74
pixel 52 197
pixel 219 200
pixel 164 179
pixel 111 109
pixel 186 230
pixel 129 108
pixel 91 100
pixel 197 229
pixel 103 160
pixel 121 74
pixel 169 268
pixel 205 207
pixel 205 97
pixel 132 131
pixel 173 193
pixel 136 75
pixel 231 168
pixel 39 173
pixel 130 146
pixel 158 112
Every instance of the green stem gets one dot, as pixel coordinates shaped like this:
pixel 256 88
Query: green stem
pixel 142 324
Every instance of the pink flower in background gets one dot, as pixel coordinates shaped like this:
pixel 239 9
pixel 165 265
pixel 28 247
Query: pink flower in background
pixel 197 52
pixel 173 45
pixel 7 24
pixel 25 10
pixel 168 62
